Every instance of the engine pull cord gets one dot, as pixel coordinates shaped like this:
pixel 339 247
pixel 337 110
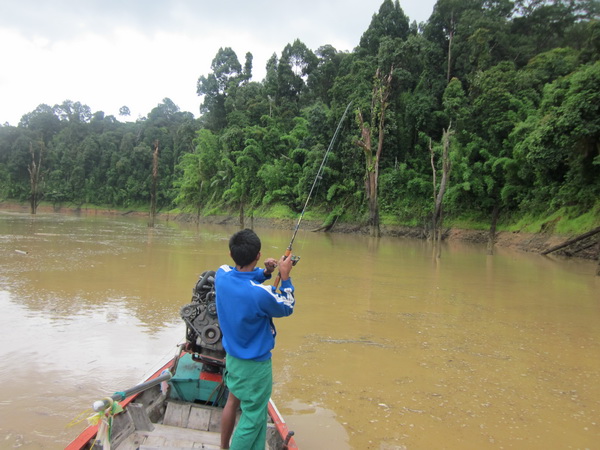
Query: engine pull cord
pixel 288 251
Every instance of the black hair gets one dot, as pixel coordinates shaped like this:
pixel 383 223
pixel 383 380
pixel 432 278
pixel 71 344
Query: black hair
pixel 244 247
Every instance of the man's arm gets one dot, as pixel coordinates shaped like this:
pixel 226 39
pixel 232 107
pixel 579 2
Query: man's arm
pixel 285 267
pixel 270 265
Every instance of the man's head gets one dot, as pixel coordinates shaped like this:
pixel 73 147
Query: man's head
pixel 244 247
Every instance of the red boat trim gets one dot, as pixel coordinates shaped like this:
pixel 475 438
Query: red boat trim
pixel 280 424
pixel 86 435
pixel 216 377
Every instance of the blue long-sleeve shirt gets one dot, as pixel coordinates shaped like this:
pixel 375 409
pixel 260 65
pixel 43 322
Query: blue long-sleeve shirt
pixel 246 308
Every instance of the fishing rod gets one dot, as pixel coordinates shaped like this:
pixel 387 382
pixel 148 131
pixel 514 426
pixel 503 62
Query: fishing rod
pixel 319 176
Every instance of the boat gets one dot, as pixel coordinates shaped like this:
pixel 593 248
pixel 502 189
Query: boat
pixel 180 405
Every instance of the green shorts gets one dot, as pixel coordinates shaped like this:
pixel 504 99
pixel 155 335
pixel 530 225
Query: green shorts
pixel 251 382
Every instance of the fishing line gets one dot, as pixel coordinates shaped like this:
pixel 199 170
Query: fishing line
pixel 319 175
pixel 317 180
pixel 316 191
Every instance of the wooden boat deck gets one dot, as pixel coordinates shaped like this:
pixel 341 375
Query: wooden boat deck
pixel 168 437
pixel 184 426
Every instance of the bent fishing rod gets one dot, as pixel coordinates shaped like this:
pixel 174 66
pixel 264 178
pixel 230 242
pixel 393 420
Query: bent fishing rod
pixel 288 251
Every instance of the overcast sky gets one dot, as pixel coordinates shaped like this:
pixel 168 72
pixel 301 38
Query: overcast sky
pixel 112 53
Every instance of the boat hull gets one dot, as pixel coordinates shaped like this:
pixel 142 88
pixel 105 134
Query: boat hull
pixel 187 414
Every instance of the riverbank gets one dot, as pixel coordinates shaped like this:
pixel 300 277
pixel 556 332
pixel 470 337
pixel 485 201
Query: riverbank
pixel 521 241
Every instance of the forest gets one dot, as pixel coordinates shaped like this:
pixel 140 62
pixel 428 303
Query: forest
pixel 489 111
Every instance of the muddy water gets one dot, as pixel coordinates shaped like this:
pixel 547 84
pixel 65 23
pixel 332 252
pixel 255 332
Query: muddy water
pixel 387 349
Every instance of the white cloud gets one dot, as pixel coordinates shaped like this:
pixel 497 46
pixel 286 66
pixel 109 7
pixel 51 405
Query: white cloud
pixel 135 53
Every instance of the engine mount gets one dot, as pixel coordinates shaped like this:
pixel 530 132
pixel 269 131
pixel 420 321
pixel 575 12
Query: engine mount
pixel 203 333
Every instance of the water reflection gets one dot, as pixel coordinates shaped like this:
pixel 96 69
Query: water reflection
pixel 386 349
pixel 326 430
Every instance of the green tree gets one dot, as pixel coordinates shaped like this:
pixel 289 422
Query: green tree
pixel 390 21
pixel 296 64
pixel 124 111
pixel 485 150
pixel 282 179
pixel 199 172
pixel 226 76
pixel 44 121
pixel 73 111
pixel 245 165
pixel 473 33
pixel 542 25
pixel 321 79
pixel 560 145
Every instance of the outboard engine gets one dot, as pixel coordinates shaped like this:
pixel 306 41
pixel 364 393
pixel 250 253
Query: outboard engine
pixel 203 333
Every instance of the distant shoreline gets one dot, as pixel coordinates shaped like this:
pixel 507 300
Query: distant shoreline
pixel 521 241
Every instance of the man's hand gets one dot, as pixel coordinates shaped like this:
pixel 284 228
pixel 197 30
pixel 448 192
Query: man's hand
pixel 285 267
pixel 270 265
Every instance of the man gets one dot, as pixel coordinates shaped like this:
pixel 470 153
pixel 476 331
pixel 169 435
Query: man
pixel 246 309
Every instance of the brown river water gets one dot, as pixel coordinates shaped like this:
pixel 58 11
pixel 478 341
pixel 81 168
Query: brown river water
pixel 387 348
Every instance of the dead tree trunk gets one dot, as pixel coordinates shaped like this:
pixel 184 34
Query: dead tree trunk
pixel 446 169
pixel 434 173
pixel 598 253
pixel 492 234
pixel 379 103
pixel 572 241
pixel 450 40
pixel 437 218
pixel 154 185
pixel 35 178
pixel 242 214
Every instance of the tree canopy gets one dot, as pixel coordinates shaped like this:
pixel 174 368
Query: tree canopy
pixel 517 82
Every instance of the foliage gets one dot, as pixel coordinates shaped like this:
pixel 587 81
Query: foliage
pixel 517 82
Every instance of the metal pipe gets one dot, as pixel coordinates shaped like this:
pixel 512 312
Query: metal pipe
pixel 101 405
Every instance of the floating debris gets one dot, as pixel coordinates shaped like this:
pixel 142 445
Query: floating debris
pixel 352 341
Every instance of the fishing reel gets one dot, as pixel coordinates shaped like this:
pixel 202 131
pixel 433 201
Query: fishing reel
pixel 295 260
